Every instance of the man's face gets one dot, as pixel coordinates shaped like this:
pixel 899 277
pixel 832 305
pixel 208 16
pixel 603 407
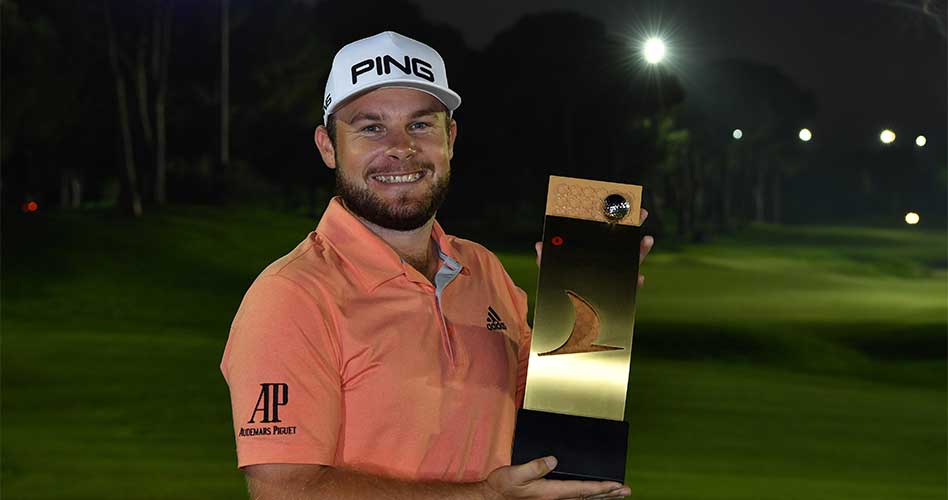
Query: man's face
pixel 392 156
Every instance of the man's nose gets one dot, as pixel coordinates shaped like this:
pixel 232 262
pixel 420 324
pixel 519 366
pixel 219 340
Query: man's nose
pixel 401 146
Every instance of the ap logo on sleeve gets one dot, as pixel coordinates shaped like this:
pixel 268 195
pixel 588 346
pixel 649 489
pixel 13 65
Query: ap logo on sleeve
pixel 272 397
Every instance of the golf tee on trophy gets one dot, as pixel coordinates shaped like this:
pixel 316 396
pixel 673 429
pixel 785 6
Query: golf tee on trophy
pixel 578 376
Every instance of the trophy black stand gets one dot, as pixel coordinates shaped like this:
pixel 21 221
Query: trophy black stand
pixel 591 449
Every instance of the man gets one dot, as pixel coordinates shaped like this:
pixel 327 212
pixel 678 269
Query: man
pixel 360 364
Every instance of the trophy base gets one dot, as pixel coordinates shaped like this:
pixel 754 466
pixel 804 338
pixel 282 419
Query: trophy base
pixel 589 449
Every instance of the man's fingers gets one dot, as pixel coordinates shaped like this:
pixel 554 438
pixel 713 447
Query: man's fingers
pixel 643 214
pixel 528 480
pixel 617 494
pixel 607 496
pixel 581 489
pixel 645 247
pixel 538 246
pixel 532 470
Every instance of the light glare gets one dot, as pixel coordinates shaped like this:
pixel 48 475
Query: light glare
pixel 737 134
pixel 654 50
pixel 920 141
pixel 590 376
pixel 805 134
pixel 912 218
pixel 887 136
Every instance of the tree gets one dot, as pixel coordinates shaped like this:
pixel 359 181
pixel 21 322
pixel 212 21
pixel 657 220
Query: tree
pixel 146 27
pixel 543 103
pixel 770 108
pixel 57 124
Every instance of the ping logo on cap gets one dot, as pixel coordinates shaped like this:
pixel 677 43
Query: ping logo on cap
pixel 383 65
pixel 386 59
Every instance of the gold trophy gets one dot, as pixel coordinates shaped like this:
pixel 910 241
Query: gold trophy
pixel 577 380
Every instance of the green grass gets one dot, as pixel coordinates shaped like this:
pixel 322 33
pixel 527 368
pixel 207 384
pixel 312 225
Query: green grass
pixel 781 363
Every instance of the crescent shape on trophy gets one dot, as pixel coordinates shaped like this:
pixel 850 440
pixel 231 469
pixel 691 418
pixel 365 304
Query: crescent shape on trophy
pixel 586 329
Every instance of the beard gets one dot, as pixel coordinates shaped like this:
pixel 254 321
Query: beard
pixel 403 214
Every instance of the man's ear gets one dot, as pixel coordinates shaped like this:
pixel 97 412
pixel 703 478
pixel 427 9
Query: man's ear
pixel 452 135
pixel 326 149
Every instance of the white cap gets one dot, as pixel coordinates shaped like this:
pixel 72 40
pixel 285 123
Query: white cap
pixel 387 60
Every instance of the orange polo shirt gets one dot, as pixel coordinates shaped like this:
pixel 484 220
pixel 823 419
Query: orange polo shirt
pixel 342 354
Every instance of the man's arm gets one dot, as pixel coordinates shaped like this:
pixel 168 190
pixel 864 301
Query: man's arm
pixel 310 482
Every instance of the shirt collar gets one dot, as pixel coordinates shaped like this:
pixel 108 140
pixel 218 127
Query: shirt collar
pixel 373 261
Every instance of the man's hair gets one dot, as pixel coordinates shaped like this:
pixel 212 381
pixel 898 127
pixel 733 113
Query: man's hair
pixel 331 127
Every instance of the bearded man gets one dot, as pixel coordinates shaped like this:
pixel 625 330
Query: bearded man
pixel 361 365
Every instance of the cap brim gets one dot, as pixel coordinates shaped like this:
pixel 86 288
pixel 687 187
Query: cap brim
pixel 449 98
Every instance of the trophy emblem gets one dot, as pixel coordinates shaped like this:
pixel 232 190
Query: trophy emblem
pixel 577 379
pixel 586 328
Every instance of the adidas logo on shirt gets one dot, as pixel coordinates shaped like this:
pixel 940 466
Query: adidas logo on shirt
pixel 493 320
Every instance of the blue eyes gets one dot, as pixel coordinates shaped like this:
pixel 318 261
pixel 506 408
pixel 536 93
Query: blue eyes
pixel 376 129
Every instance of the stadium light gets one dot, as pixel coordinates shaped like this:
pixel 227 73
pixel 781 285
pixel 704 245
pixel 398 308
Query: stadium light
pixel 737 134
pixel 920 141
pixel 654 50
pixel 912 218
pixel 805 135
pixel 887 136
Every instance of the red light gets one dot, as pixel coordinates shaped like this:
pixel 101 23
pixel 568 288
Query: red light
pixel 32 206
pixel 556 241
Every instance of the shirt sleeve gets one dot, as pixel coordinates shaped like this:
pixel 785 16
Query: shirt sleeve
pixel 281 364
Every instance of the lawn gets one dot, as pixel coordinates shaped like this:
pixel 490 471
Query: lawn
pixel 780 363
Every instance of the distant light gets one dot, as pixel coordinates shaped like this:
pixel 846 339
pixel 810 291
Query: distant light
pixel 654 50
pixel 737 134
pixel 30 206
pixel 912 218
pixel 920 141
pixel 805 134
pixel 887 136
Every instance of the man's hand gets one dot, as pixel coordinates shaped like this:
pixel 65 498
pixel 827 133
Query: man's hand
pixel 526 482
pixel 644 247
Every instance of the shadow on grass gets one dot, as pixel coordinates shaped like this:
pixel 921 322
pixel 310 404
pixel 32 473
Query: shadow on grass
pixel 893 353
pixel 897 343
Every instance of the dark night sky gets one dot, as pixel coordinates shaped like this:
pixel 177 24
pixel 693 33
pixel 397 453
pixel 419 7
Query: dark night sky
pixel 871 64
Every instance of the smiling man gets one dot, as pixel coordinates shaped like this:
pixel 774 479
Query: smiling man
pixel 383 358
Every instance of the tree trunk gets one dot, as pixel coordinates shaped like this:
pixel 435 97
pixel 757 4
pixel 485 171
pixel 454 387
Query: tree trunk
pixel 225 83
pixel 64 189
pixel 617 156
pixel 775 212
pixel 141 79
pixel 160 56
pixel 129 174
pixel 161 168
pixel 656 212
pixel 685 193
pixel 758 193
pixel 567 141
pixel 144 116
pixel 70 190
pixel 744 185
pixel 697 195
pixel 726 189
